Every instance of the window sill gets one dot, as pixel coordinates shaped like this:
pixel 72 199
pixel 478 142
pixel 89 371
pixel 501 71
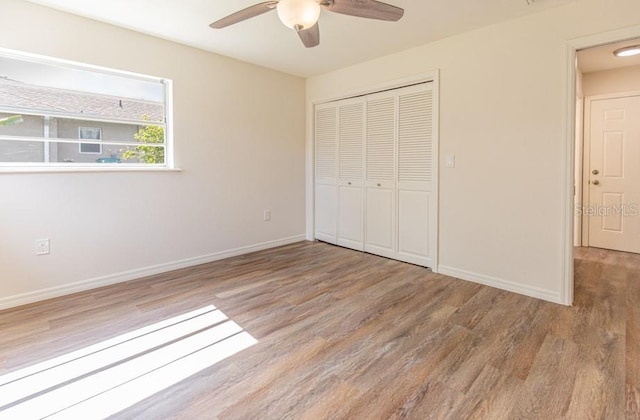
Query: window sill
pixel 40 169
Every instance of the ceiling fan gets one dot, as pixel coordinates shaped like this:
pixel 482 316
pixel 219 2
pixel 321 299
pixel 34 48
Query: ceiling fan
pixel 303 15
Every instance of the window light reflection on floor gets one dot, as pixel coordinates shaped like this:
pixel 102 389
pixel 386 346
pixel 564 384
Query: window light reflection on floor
pixel 98 382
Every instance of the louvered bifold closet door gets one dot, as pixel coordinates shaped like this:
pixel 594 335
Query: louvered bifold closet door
pixel 380 209
pixel 326 172
pixel 351 120
pixel 415 187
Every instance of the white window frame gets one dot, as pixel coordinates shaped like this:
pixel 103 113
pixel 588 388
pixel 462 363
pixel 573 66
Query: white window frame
pixel 92 143
pixel 89 167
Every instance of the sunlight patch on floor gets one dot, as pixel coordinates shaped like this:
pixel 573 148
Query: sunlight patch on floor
pixel 103 379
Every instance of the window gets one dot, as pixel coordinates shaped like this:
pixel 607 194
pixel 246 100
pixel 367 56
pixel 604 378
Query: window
pixel 56 113
pixel 88 133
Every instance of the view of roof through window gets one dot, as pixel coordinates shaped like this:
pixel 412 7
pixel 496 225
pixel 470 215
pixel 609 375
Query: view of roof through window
pixel 54 114
pixel 85 80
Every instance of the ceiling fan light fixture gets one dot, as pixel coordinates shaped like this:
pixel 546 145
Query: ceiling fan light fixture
pixel 627 51
pixel 299 14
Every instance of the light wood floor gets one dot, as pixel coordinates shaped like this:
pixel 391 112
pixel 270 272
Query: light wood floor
pixel 343 334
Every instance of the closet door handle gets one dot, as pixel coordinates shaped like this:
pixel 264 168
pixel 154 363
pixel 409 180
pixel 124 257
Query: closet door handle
pixel 379 185
pixel 349 183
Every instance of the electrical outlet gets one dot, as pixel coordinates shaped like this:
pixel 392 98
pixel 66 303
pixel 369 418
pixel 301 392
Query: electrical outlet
pixel 267 215
pixel 42 247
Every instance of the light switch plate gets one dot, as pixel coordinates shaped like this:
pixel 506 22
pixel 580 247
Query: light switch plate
pixel 450 161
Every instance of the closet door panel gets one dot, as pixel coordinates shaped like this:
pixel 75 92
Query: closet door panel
pixel 381 135
pixel 380 224
pixel 326 172
pixel 326 143
pixel 380 231
pixel 351 218
pixel 416 160
pixel 351 120
pixel 415 136
pixel 351 129
pixel 325 213
pixel 413 225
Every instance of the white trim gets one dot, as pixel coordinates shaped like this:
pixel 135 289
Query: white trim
pixel 509 286
pixel 568 179
pixel 168 124
pixel 310 171
pixel 425 77
pixel 616 95
pixel 79 141
pixel 435 261
pixel 579 171
pixel 44 59
pixel 586 163
pixel 47 144
pixel 96 167
pixel 568 149
pixel 52 292
pixel 80 117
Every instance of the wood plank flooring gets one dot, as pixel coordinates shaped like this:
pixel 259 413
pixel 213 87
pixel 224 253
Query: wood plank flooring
pixel 347 335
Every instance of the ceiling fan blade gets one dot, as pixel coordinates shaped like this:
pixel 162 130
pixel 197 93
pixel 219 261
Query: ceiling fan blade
pixel 310 37
pixel 244 14
pixel 370 9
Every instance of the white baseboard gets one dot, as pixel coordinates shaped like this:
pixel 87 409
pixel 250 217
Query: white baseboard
pixel 501 284
pixel 43 294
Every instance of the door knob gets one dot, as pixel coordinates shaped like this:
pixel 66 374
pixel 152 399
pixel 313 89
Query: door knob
pixel 596 182
pixel 595 172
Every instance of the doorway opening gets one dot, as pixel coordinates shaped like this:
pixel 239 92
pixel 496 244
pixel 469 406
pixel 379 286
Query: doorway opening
pixel 607 154
pixel 603 161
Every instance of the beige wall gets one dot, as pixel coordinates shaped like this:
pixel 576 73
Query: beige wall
pixel 503 97
pixel 625 79
pixel 239 138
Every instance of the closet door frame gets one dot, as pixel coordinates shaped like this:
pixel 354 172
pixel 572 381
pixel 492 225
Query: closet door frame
pixel 432 77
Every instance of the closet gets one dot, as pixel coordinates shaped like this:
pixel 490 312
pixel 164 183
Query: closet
pixel 375 181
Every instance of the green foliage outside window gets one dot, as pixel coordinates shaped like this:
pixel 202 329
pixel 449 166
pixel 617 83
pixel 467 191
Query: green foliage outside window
pixel 12 120
pixel 147 154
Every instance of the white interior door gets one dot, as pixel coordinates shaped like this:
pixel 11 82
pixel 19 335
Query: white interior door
pixel 415 188
pixel 614 174
pixel 326 172
pixel 351 119
pixel 380 226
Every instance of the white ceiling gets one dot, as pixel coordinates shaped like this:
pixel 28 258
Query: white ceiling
pixel 602 58
pixel 263 40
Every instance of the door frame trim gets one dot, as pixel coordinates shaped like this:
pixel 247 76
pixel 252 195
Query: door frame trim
pixel 569 146
pixel 586 140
